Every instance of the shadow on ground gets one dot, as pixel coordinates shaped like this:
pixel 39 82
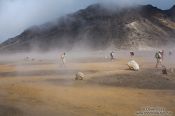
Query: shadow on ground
pixel 10 111
pixel 43 73
pixel 148 79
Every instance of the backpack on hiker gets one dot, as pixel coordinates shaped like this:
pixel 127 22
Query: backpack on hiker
pixel 158 55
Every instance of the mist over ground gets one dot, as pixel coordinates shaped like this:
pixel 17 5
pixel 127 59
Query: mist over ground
pixel 87 55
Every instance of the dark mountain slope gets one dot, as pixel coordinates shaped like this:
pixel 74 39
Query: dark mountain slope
pixel 99 27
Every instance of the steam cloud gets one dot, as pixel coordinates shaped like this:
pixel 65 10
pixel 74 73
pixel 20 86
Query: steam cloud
pixel 17 15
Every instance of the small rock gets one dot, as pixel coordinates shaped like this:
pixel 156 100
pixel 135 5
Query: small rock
pixel 164 71
pixel 80 76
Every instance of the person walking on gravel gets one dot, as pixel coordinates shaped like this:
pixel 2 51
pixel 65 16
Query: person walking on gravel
pixel 158 57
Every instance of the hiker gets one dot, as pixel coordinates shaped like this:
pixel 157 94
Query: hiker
pixel 63 59
pixel 132 54
pixel 112 55
pixel 162 53
pixel 158 57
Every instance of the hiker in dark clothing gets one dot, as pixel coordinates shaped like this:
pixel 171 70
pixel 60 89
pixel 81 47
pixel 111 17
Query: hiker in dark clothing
pixel 132 54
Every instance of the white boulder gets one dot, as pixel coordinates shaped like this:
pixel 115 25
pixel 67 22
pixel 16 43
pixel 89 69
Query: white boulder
pixel 79 76
pixel 133 65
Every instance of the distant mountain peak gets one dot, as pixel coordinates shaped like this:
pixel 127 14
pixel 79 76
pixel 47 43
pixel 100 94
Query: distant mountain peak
pixel 150 7
pixel 173 8
pixel 94 6
pixel 171 11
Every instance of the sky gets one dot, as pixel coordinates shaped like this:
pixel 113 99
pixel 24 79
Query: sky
pixel 18 15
